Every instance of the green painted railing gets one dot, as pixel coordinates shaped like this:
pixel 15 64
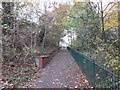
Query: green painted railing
pixel 98 76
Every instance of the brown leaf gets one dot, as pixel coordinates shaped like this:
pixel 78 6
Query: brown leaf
pixel 69 84
pixel 76 86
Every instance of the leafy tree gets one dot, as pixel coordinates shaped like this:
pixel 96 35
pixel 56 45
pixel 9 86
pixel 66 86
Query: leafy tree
pixel 89 25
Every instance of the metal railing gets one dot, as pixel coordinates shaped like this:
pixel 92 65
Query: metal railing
pixel 98 76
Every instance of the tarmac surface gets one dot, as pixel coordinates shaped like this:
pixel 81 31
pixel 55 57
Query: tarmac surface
pixel 61 72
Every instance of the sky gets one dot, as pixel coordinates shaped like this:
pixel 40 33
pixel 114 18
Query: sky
pixel 66 1
pixel 63 1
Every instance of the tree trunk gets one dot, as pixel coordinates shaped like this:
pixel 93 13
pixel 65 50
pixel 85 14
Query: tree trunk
pixel 102 23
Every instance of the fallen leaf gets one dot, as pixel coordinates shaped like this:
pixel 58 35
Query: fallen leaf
pixel 69 84
pixel 76 86
pixel 53 82
pixel 40 81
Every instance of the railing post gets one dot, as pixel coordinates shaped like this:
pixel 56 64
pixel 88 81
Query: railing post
pixel 93 69
pixel 41 62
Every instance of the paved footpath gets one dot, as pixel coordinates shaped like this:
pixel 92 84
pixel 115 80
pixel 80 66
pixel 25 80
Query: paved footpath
pixel 61 72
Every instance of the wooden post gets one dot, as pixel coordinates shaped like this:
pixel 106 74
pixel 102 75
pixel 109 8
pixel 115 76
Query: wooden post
pixel 41 62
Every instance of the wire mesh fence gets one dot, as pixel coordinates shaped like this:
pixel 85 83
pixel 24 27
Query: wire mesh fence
pixel 98 76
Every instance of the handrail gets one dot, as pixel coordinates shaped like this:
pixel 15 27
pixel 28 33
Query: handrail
pixel 98 76
pixel 91 60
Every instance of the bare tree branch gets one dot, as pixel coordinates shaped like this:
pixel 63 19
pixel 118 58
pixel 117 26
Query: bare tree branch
pixel 109 10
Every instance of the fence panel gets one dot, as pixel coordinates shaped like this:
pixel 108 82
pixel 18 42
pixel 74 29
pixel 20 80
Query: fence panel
pixel 97 75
